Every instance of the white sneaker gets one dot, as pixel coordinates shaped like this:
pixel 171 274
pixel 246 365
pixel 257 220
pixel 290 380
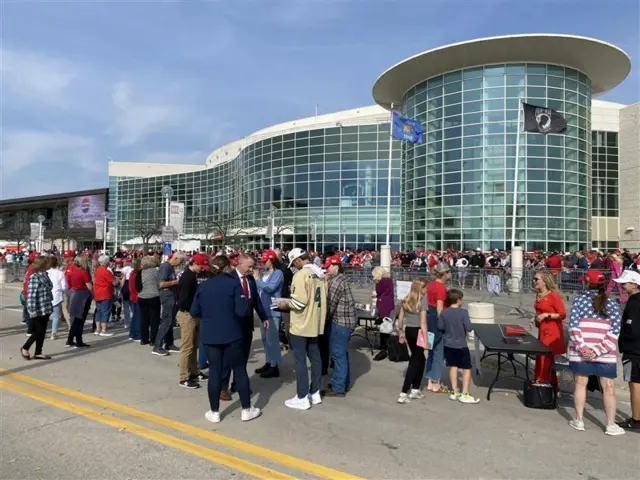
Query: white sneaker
pixel 97 333
pixel 315 398
pixel 404 398
pixel 250 413
pixel 214 417
pixel 416 394
pixel 467 398
pixel 577 424
pixel 105 334
pixel 298 403
pixel 28 335
pixel 614 430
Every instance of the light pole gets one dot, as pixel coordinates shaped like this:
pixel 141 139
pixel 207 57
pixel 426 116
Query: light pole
pixel 105 215
pixel 344 240
pixel 315 235
pixel 167 193
pixel 273 228
pixel 41 220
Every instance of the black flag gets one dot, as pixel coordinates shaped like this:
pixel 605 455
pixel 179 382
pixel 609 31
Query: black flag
pixel 543 120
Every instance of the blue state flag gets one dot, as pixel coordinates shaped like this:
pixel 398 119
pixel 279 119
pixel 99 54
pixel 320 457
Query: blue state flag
pixel 406 129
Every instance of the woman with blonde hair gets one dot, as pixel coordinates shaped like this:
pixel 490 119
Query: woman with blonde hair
pixel 385 305
pixel 550 313
pixel 39 306
pixel 411 320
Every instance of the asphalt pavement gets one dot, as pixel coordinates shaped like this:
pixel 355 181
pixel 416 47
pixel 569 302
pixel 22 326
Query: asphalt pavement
pixel 116 411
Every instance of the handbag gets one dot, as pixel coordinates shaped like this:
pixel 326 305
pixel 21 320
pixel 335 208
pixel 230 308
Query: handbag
pixel 386 326
pixel 396 351
pixel 539 395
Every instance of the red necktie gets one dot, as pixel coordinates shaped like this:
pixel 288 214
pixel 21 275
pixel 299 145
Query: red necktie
pixel 245 289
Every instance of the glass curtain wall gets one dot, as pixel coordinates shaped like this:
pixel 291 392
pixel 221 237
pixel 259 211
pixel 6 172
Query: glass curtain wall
pixel 604 180
pixel 333 178
pixel 458 187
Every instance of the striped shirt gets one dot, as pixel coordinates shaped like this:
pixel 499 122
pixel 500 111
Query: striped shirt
pixel 587 329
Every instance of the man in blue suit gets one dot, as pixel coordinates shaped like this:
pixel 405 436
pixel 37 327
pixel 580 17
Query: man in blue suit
pixel 244 274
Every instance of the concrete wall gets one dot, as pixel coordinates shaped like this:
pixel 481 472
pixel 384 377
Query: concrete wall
pixel 630 177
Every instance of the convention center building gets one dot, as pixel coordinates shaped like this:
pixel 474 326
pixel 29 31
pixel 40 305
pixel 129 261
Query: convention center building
pixel 322 182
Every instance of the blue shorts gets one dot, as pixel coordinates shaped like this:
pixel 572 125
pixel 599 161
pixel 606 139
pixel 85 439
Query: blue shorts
pixel 606 370
pixel 458 357
pixel 103 311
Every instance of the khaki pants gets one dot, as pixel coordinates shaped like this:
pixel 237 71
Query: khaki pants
pixel 190 338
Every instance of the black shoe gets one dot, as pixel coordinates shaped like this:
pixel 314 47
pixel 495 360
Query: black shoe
pixel 272 372
pixel 189 384
pixel 630 424
pixel 172 348
pixel 331 393
pixel 382 354
pixel 143 343
pixel 69 344
pixel 82 345
pixel 330 387
pixel 263 368
pixel 199 377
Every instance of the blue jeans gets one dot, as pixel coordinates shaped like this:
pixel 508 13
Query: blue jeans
pixel 304 347
pixel 103 311
pixel 339 338
pixel 127 309
pixel 271 341
pixel 231 355
pixel 134 327
pixel 166 321
pixel 56 316
pixel 433 370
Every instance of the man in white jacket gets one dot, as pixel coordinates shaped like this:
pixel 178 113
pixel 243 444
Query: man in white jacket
pixel 59 288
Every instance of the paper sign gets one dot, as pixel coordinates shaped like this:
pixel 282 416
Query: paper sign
pixel 402 289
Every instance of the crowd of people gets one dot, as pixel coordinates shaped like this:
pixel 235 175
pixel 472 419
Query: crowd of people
pixel 305 302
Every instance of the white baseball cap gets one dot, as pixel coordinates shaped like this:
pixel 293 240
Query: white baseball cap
pixel 295 253
pixel 628 276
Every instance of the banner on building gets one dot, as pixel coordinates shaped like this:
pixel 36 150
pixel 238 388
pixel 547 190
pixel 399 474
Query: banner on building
pixel 99 229
pixel 111 234
pixel 35 231
pixel 176 216
pixel 269 228
pixel 313 232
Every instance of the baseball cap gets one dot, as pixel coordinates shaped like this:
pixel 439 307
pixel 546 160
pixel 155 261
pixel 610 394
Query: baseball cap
pixel 593 277
pixel 442 268
pixel 628 276
pixel 201 259
pixel 478 249
pixel 294 254
pixel 68 254
pixel 334 260
pixel 268 255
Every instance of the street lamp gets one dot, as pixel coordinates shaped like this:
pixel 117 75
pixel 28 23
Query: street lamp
pixel 274 210
pixel 314 233
pixel 344 240
pixel 41 219
pixel 105 215
pixel 167 193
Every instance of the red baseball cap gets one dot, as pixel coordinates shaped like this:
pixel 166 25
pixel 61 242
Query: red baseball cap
pixel 268 255
pixel 68 254
pixel 201 259
pixel 335 260
pixel 118 261
pixel 593 277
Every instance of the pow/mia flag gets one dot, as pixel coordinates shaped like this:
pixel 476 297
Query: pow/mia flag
pixel 543 120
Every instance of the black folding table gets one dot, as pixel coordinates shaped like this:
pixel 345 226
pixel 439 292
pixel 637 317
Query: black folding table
pixel 367 321
pixel 495 343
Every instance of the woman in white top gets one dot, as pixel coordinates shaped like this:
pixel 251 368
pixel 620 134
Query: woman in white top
pixel 59 288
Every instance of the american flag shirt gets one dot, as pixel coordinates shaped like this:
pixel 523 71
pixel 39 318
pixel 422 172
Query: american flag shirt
pixel 587 329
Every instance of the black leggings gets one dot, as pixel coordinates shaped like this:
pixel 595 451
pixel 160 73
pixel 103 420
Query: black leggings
pixel 149 317
pixel 39 332
pixel 77 327
pixel 415 370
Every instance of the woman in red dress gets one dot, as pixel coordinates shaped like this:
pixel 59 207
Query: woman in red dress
pixel 550 313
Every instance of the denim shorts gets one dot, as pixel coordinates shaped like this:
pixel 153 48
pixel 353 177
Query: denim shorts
pixel 103 311
pixel 606 370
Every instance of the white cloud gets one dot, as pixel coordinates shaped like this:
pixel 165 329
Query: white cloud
pixel 37 77
pixel 136 118
pixel 23 149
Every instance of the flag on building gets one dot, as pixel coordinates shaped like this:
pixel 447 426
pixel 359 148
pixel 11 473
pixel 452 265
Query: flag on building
pixel 406 129
pixel 543 120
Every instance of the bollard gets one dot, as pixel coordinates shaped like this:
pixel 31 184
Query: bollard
pixel 481 312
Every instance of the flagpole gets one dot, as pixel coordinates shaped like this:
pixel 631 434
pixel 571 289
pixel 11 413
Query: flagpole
pixel 385 251
pixel 515 177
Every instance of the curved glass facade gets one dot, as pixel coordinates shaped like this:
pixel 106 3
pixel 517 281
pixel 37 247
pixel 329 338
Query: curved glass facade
pixel 335 178
pixel 458 186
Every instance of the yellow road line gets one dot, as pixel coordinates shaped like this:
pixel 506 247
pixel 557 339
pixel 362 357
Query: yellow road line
pixel 230 461
pixel 245 447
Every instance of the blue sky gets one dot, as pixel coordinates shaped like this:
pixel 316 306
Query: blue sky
pixel 86 81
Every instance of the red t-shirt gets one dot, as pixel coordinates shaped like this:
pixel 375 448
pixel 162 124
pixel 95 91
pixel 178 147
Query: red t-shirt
pixel 103 284
pixel 436 291
pixel 78 278
pixel 554 262
pixel 67 273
